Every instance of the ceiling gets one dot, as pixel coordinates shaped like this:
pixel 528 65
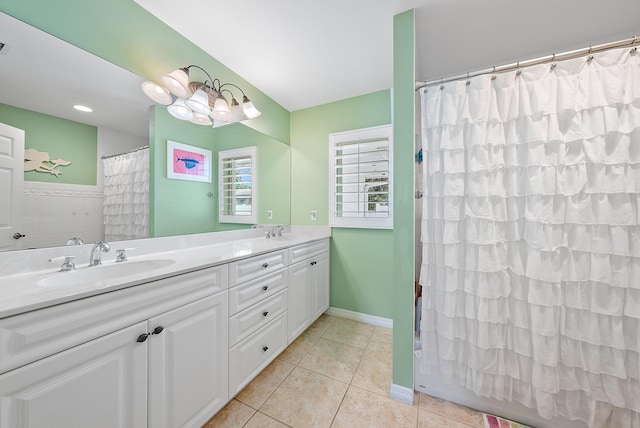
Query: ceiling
pixel 304 53
pixel 42 73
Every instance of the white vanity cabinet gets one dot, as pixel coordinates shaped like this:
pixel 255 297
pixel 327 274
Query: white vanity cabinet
pixel 258 315
pixel 167 367
pixel 188 379
pixel 167 353
pixel 99 384
pixel 308 285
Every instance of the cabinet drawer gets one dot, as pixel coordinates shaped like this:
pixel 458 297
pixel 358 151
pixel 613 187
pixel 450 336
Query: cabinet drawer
pixel 252 292
pixel 246 322
pixel 305 251
pixel 253 354
pixel 33 335
pixel 254 267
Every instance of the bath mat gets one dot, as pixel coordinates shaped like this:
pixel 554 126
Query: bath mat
pixel 491 421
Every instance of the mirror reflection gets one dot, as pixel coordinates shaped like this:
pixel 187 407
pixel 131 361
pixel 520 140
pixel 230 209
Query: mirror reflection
pixel 62 196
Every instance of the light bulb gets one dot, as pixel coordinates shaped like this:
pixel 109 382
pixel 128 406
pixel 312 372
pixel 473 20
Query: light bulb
pixel 156 93
pixel 177 82
pixel 179 110
pixel 249 109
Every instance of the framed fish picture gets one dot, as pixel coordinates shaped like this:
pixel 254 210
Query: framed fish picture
pixel 186 162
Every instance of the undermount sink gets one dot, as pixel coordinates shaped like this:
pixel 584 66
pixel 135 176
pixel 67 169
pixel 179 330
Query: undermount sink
pixel 104 273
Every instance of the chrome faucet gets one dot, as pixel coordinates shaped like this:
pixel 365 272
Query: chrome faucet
pixel 274 232
pixel 95 257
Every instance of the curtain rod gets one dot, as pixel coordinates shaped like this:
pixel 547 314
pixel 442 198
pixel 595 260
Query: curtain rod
pixel 125 153
pixel 548 58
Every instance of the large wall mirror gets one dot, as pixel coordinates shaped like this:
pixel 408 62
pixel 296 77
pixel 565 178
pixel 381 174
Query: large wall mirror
pixel 42 79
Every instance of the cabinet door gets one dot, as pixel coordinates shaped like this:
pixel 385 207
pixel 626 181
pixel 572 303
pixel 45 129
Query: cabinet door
pixel 99 384
pixel 319 285
pixel 188 360
pixel 299 313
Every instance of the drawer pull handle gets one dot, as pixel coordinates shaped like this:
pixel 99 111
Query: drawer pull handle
pixel 142 338
pixel 158 330
pixel 265 288
pixel 265 348
pixel 265 313
pixel 265 265
pixel 313 263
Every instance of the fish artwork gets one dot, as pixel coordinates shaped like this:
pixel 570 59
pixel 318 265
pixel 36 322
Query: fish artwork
pixel 35 160
pixel 189 163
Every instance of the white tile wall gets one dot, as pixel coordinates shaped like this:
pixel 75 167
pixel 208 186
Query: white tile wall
pixel 56 213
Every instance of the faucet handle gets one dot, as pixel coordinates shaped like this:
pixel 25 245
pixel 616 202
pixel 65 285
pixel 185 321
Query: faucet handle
pixel 122 257
pixel 67 264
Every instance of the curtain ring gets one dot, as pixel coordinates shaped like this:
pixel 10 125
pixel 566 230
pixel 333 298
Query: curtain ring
pixel 553 62
pixel 493 73
pixel 518 71
pixel 634 49
pixel 441 83
pixel 590 58
pixel 468 81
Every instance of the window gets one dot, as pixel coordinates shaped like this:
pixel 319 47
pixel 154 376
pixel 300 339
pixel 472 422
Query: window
pixel 360 178
pixel 238 185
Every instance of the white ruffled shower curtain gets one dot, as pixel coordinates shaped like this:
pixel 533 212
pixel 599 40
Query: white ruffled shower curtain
pixel 531 237
pixel 126 196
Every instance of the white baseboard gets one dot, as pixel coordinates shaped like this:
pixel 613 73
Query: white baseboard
pixel 357 316
pixel 401 393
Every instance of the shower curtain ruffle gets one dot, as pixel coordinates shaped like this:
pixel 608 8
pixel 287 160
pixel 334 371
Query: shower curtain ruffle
pixel 531 237
pixel 126 196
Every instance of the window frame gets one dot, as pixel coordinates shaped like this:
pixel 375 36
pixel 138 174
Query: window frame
pixel 223 156
pixel 360 136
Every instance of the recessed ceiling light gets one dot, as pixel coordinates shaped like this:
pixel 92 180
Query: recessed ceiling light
pixel 83 108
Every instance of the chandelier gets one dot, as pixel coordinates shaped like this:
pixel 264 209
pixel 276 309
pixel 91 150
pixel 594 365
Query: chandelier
pixel 202 103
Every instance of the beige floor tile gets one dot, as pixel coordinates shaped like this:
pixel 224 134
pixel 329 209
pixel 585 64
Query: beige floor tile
pixel 365 409
pixel 233 415
pixel 305 399
pixel 265 383
pixel 375 372
pixel 299 348
pixel 334 359
pixel 431 420
pixel 382 339
pixel 451 410
pixel 320 325
pixel 350 332
pixel 260 420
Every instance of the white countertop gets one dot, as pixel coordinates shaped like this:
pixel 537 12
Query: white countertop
pixel 20 292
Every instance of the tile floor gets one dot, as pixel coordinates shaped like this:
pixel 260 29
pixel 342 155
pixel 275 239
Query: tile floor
pixel 336 374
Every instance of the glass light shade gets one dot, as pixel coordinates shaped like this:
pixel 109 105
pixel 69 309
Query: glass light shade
pixel 179 110
pixel 156 93
pixel 199 102
pixel 218 123
pixel 201 119
pixel 237 112
pixel 249 109
pixel 177 82
pixel 221 110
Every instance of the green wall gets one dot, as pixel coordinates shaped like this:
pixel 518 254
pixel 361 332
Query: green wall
pixel 274 172
pixel 361 272
pixel 62 139
pixel 125 34
pixel 403 193
pixel 179 207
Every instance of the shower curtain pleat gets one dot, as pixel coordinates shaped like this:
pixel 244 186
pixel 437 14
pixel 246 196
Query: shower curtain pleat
pixel 126 196
pixel 531 237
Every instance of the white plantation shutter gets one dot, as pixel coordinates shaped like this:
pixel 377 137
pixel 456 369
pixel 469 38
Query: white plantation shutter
pixel 237 181
pixel 360 178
